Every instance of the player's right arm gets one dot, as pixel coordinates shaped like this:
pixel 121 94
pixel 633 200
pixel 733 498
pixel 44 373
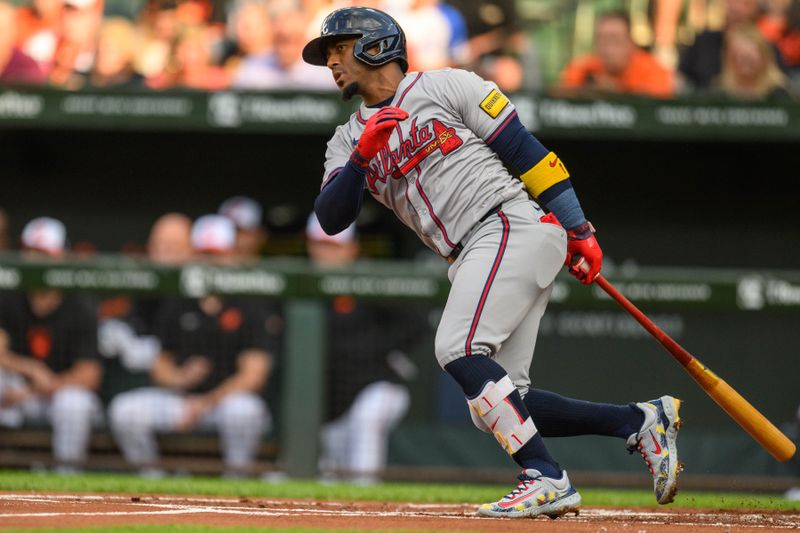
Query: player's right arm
pixel 339 202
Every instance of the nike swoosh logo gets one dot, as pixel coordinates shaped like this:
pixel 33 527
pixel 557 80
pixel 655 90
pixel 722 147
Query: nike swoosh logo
pixel 658 448
pixel 495 423
pixel 518 499
pixel 553 163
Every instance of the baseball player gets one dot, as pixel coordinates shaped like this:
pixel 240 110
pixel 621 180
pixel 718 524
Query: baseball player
pixel 431 146
pixel 210 373
pixel 50 368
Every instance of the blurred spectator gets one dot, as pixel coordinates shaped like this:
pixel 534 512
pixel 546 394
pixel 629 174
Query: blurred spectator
pixel 773 20
pixel 617 66
pixel 211 372
pixel 276 64
pixel 116 53
pixel 193 12
pixel 38 28
pixel 77 46
pixel 701 63
pixel 251 236
pixel 499 48
pixel 749 69
pixel 780 24
pixel 159 24
pixel 436 34
pixel 15 66
pixel 251 29
pixel 49 367
pixel 193 66
pixel 366 397
pixel 665 30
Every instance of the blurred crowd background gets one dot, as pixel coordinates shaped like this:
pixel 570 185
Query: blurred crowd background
pixel 659 48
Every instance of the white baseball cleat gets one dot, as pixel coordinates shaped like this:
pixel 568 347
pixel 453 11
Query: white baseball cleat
pixel 536 495
pixel 656 441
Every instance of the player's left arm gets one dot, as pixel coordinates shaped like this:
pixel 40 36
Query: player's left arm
pixel 490 114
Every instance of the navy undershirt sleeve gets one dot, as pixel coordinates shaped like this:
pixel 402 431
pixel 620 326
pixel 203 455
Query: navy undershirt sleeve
pixel 518 148
pixel 339 202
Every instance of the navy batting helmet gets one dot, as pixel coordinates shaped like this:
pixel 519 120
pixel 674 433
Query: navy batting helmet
pixel 374 29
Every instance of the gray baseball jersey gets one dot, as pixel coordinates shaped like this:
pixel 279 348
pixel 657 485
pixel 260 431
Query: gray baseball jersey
pixel 436 173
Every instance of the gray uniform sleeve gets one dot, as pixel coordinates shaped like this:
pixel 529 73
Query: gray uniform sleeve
pixel 338 153
pixel 480 103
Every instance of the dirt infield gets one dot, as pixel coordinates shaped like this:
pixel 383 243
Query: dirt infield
pixel 63 510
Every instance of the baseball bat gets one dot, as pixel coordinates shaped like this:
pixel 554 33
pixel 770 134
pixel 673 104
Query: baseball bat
pixel 747 416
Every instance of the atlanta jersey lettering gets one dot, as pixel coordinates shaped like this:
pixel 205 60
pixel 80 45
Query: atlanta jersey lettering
pixel 436 172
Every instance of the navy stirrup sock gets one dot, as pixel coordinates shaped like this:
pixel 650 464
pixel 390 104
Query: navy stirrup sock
pixel 559 416
pixel 472 373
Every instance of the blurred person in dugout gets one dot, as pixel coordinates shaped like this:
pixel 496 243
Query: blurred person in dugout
pixel 49 364
pixel 16 67
pixel 366 369
pixel 617 65
pixel 749 68
pixel 211 373
pixel 127 328
pixel 271 50
pixel 75 52
pixel 246 214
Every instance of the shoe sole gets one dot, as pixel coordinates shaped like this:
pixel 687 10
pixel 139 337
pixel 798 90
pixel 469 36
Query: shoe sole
pixel 553 510
pixel 570 504
pixel 671 408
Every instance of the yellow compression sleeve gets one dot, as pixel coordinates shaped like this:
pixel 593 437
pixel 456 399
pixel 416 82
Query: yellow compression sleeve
pixel 546 173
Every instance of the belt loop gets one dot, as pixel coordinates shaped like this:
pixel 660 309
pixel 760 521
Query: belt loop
pixel 455 253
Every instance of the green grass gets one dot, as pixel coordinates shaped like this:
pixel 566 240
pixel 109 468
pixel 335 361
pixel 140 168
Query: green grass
pixel 413 492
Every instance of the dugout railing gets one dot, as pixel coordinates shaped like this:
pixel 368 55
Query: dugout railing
pixel 741 323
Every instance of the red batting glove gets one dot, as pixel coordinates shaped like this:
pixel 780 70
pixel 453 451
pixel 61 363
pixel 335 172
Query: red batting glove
pixel 584 256
pixel 376 133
